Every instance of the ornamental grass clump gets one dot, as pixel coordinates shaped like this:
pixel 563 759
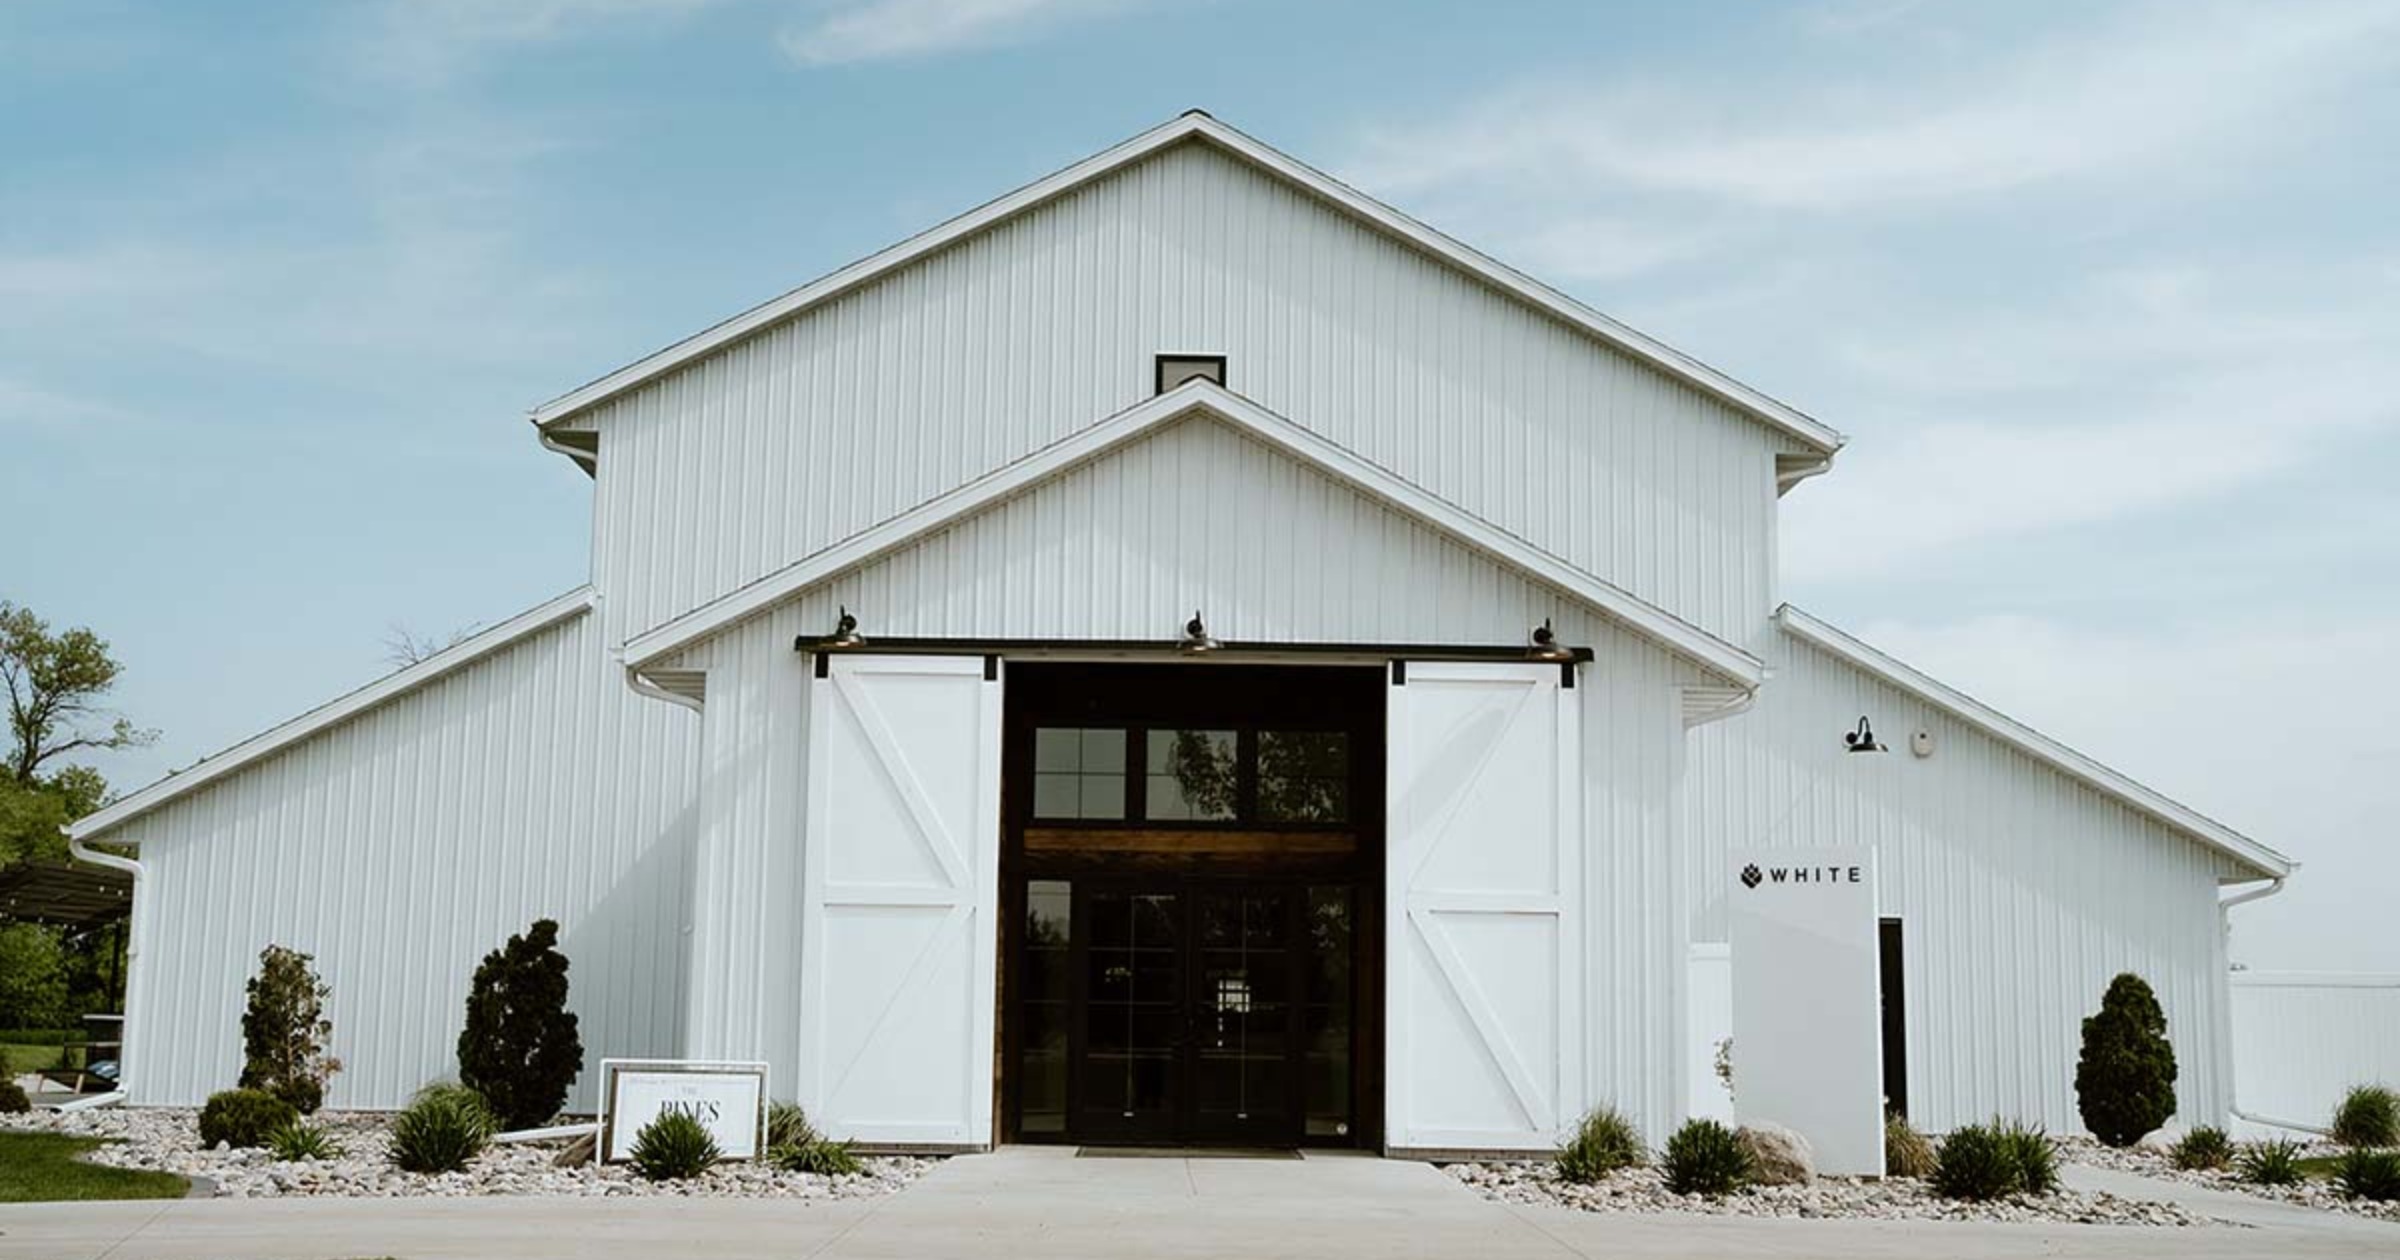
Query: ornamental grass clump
pixel 2204 1149
pixel 244 1117
pixel 1705 1157
pixel 519 1047
pixel 2364 1174
pixel 818 1155
pixel 1906 1152
pixel 1603 1142
pixel 442 1130
pixel 13 1101
pixel 2035 1157
pixel 1981 1162
pixel 2125 1075
pixel 787 1125
pixel 300 1140
pixel 2368 1116
pixel 2275 1162
pixel 673 1147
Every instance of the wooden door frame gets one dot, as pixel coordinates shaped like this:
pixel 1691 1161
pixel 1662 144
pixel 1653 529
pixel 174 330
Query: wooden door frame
pixel 1247 698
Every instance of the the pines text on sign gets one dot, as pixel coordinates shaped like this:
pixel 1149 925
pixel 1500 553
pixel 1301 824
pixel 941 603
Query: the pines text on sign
pixel 728 1099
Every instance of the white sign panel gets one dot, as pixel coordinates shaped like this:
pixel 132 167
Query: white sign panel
pixel 1807 1018
pixel 728 1099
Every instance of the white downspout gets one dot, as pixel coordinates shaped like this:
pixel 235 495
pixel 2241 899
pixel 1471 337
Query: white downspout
pixel 2225 922
pixel 133 948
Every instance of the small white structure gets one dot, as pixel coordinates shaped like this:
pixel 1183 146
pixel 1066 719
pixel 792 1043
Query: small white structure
pixel 886 746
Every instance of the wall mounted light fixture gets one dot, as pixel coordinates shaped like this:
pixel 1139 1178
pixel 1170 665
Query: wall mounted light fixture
pixel 845 633
pixel 1546 647
pixel 1862 739
pixel 1196 640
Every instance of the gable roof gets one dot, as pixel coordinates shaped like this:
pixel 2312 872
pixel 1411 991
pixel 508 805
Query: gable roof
pixel 1196 126
pixel 391 686
pixel 1198 397
pixel 2033 743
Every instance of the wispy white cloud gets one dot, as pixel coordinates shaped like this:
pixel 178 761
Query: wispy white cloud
pixel 2144 390
pixel 2164 85
pixel 430 41
pixel 887 30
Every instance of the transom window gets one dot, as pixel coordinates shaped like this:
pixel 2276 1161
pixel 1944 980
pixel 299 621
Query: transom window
pixel 1079 772
pixel 1182 775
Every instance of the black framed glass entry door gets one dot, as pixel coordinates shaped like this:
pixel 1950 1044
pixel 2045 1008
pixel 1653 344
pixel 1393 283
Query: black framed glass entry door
pixel 1186 1029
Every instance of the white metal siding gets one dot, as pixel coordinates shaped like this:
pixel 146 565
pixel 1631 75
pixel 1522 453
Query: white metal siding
pixel 2301 1039
pixel 1124 548
pixel 2022 891
pixel 883 399
pixel 402 845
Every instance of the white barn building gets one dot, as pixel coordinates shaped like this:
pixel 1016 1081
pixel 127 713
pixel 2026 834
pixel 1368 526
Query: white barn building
pixel 1022 857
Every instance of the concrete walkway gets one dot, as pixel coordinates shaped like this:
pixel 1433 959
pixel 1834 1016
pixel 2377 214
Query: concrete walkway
pixel 1036 1204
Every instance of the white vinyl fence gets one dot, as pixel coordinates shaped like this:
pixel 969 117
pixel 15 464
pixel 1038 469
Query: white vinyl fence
pixel 2300 1038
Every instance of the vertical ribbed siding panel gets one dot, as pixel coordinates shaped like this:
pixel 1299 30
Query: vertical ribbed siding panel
pixel 403 844
pixel 2021 891
pixel 1199 515
pixel 888 396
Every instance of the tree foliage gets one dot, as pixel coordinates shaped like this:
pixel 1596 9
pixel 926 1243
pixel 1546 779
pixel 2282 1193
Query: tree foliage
pixel 2125 1077
pixel 55 682
pixel 520 1048
pixel 285 1032
pixel 33 977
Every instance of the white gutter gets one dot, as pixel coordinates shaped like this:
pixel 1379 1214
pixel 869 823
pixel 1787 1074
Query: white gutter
pixel 133 952
pixel 1785 479
pixel 644 687
pixel 584 459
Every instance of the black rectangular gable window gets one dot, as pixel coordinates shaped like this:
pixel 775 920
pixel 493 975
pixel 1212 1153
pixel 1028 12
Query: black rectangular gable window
pixel 1175 369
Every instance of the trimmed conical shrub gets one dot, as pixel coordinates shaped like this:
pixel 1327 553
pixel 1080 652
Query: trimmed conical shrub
pixel 520 1050
pixel 2125 1077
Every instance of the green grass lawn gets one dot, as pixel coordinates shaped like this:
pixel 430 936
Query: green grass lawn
pixel 17 1059
pixel 42 1168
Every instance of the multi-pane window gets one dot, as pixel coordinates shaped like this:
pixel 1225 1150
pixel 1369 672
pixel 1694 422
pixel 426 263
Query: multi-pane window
pixel 1191 776
pixel 1304 776
pixel 1079 772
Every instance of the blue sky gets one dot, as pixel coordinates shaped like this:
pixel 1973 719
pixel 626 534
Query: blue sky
pixel 2107 297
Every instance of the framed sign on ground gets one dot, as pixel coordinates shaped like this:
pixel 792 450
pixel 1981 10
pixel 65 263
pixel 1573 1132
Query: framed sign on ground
pixel 728 1099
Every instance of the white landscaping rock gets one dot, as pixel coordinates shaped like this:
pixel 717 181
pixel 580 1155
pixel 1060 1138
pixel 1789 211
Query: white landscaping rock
pixel 1888 1199
pixel 168 1140
pixel 1778 1156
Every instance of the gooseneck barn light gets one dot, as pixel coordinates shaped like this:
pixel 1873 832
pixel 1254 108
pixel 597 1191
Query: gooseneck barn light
pixel 1862 739
pixel 845 633
pixel 1546 647
pixel 1196 640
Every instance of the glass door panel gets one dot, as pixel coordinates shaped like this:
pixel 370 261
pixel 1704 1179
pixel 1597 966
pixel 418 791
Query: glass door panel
pixel 1132 980
pixel 1243 1013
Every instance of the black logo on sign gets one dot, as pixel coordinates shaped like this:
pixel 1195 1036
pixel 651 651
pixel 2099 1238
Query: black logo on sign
pixel 1750 876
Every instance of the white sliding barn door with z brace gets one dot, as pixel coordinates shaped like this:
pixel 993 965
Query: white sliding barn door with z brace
pixel 900 876
pixel 1483 911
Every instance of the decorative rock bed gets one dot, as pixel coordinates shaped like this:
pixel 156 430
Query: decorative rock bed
pixel 1889 1199
pixel 2151 1160
pixel 168 1140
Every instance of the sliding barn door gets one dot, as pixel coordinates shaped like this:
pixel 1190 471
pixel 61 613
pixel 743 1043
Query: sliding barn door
pixel 1485 1017
pixel 899 874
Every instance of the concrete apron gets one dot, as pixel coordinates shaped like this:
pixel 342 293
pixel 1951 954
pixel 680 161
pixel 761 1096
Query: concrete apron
pixel 1038 1203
